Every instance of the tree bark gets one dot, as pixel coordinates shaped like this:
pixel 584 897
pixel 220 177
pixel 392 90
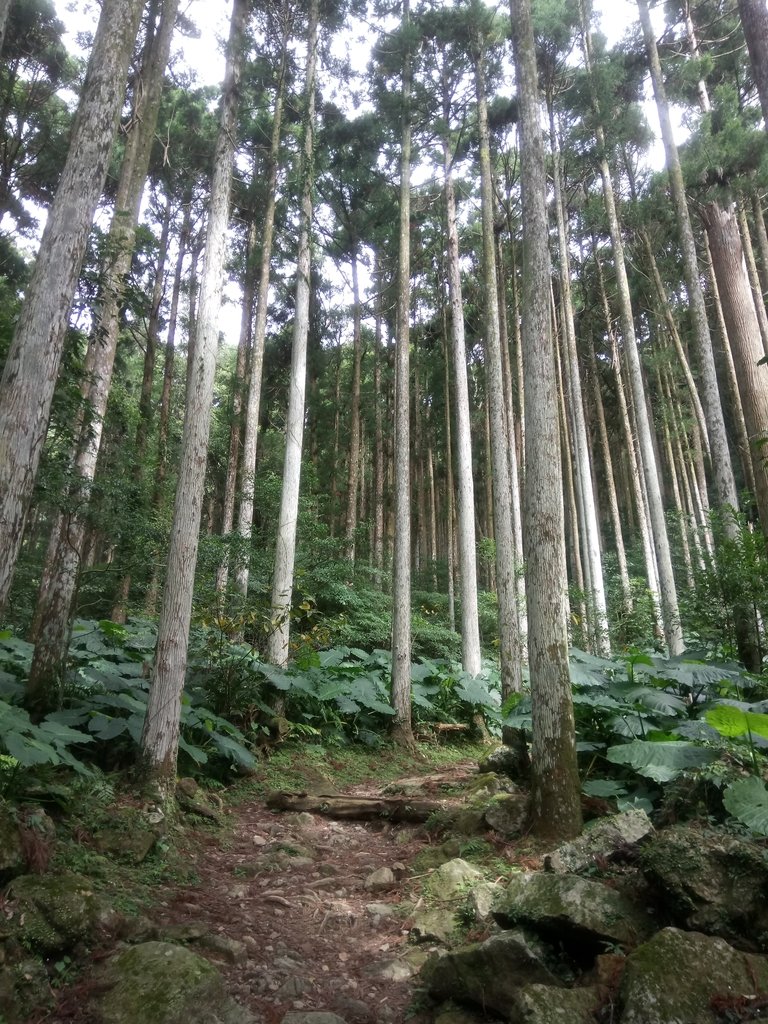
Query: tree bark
pixel 32 364
pixel 402 729
pixel 353 465
pixel 285 549
pixel 669 605
pixel 5 6
pixel 253 402
pixel 555 800
pixel 238 386
pixel 160 737
pixel 57 602
pixel 506 566
pixel 471 659
pixel 596 596
pixel 754 21
pixel 744 335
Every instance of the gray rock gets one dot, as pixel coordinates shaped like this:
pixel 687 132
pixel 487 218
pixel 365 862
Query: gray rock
pixel 488 974
pixel 231 950
pixel 684 977
pixel 502 761
pixel 452 880
pixel 292 988
pixel 483 899
pixel 314 1017
pixel 433 926
pixel 390 970
pixel 582 914
pixel 710 882
pixel 380 880
pixel 507 815
pixel 380 910
pixel 602 838
pixel 543 1004
pixel 159 983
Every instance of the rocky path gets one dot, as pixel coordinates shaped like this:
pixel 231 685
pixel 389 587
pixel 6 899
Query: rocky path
pixel 302 913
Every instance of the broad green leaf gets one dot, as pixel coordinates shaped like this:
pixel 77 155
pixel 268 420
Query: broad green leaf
pixel 733 721
pixel 28 751
pixel 661 762
pixel 197 754
pixel 747 801
pixel 57 731
pixel 605 788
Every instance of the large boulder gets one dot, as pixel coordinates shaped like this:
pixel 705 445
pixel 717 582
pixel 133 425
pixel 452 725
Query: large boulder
pixel 581 914
pixel 51 913
pixel 502 761
pixel 710 882
pixel 602 839
pixel 684 977
pixel 488 974
pixel 25 991
pixel 159 983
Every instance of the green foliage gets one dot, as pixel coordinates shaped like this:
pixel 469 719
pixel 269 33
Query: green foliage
pixel 747 801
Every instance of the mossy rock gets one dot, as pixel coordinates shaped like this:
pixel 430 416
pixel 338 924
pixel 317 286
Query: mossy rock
pixel 487 974
pixel 679 977
pixel 507 814
pixel 24 990
pixel 433 856
pixel 12 860
pixel 543 1004
pixel 126 836
pixel 51 913
pixel 452 880
pixel 160 983
pixel 710 882
pixel 582 915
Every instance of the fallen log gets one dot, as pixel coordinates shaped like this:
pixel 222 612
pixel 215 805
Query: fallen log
pixel 358 808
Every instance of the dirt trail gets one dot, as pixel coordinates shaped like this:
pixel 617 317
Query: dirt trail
pixel 291 889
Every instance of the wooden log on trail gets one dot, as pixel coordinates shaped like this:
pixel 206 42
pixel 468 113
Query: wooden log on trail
pixel 358 808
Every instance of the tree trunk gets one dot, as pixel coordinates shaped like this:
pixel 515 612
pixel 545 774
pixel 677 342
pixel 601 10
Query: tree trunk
pixel 754 280
pixel 596 596
pixel 5 6
pixel 506 589
pixel 54 617
pixel 160 737
pixel 471 658
pixel 285 549
pixel 744 335
pixel 238 386
pixel 353 467
pixel 32 365
pixel 555 800
pixel 378 442
pixel 402 729
pixel 253 403
pixel 754 21
pixel 670 611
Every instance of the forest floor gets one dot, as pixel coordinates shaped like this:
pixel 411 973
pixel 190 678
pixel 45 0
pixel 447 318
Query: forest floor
pixel 280 901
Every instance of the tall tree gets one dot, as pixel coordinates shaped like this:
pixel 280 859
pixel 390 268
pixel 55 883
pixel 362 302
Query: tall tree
pixel 556 806
pixel 754 21
pixel 285 548
pixel 401 562
pixel 57 597
pixel 669 604
pixel 160 737
pixel 726 495
pixel 32 366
